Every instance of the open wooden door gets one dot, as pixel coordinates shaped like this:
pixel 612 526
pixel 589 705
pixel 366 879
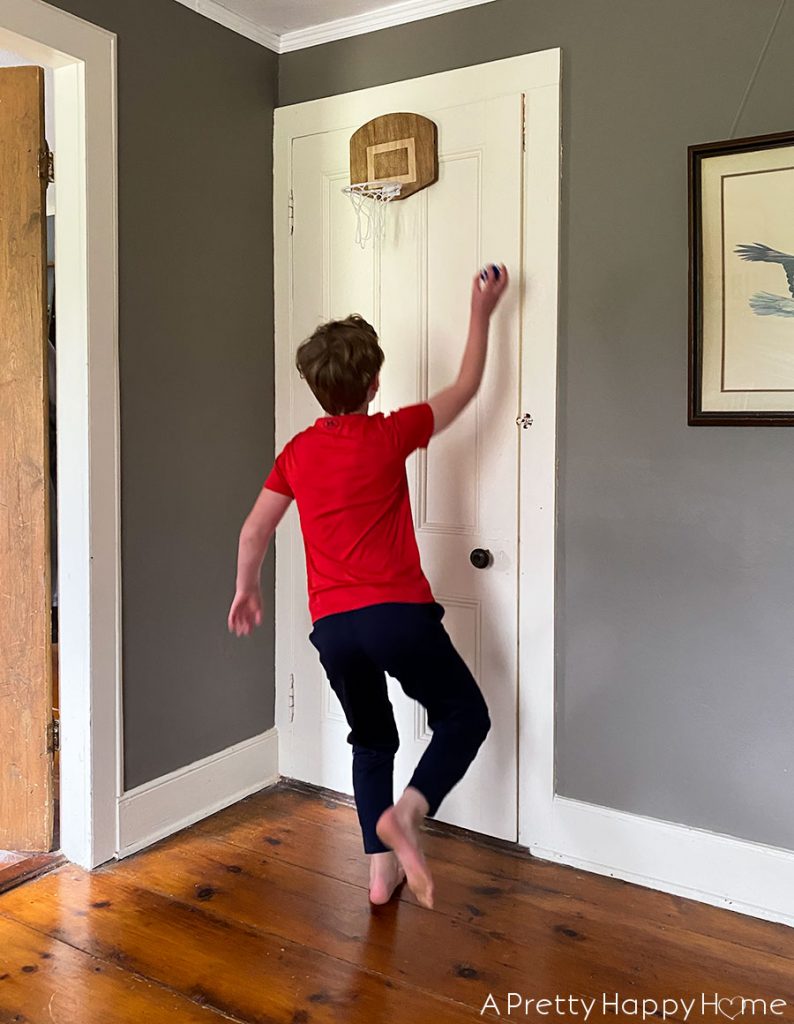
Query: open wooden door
pixel 26 757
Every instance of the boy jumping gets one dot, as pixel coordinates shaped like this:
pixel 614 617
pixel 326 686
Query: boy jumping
pixel 371 606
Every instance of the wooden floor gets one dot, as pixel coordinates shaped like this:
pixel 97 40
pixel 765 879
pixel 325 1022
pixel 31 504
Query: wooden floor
pixel 260 914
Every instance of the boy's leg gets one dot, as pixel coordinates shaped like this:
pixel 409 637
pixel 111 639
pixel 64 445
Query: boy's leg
pixel 361 688
pixel 420 654
pixel 456 713
pixel 373 774
pixel 410 643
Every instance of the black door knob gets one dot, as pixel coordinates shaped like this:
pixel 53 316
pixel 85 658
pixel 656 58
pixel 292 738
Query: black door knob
pixel 480 558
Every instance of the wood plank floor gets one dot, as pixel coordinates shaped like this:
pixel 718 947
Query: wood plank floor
pixel 260 914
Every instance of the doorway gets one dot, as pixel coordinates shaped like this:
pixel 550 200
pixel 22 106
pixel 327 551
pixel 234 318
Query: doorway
pixel 81 57
pixel 490 482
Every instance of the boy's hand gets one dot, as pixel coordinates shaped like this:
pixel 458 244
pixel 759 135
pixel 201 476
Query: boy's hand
pixel 246 612
pixel 487 289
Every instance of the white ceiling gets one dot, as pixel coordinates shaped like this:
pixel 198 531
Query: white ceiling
pixel 284 25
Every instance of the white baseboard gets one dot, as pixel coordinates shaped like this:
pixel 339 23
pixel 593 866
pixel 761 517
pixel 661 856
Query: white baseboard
pixel 721 870
pixel 172 802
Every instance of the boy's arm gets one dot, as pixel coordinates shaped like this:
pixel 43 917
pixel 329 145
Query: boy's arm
pixel 486 292
pixel 258 528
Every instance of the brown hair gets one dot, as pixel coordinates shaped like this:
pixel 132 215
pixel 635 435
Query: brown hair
pixel 339 363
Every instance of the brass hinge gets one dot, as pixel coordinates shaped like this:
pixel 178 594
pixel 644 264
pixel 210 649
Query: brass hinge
pixel 291 699
pixel 47 165
pixel 54 736
pixel 291 212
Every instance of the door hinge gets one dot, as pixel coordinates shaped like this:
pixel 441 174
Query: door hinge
pixel 291 698
pixel 54 736
pixel 524 121
pixel 47 165
pixel 525 421
pixel 291 212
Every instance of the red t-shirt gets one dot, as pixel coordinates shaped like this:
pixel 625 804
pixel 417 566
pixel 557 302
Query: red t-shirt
pixel 347 475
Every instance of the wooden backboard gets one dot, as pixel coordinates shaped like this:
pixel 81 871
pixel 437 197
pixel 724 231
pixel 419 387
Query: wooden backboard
pixel 396 147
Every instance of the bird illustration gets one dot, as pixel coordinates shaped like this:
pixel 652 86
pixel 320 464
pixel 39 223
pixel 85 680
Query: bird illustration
pixel 765 303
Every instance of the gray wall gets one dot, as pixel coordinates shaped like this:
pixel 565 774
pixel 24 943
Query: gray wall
pixel 196 354
pixel 675 549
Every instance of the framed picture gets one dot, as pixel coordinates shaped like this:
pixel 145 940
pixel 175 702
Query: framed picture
pixel 741 282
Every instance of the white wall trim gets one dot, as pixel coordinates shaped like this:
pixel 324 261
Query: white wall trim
pixel 168 804
pixel 235 22
pixel 326 32
pixel 721 870
pixel 496 78
pixel 373 21
pixel 83 57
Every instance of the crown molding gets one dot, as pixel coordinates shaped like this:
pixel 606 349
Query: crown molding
pixel 359 24
pixel 235 22
pixel 340 28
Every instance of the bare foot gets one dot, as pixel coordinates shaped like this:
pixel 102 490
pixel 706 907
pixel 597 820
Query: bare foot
pixel 398 827
pixel 385 875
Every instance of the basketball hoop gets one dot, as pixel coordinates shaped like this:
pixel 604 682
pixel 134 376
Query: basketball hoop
pixel 369 200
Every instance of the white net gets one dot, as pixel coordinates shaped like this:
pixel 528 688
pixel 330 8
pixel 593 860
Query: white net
pixel 369 200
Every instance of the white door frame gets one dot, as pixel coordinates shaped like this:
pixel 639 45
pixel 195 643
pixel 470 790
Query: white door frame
pixel 83 57
pixel 537 75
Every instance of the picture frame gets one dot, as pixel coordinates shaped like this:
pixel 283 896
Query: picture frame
pixel 741 281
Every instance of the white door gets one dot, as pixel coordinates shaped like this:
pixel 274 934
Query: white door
pixel 414 288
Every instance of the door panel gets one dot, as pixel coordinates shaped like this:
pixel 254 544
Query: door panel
pixel 465 485
pixel 26 788
pixel 415 288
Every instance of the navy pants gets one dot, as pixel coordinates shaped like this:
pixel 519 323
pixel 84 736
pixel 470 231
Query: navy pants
pixel 409 642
